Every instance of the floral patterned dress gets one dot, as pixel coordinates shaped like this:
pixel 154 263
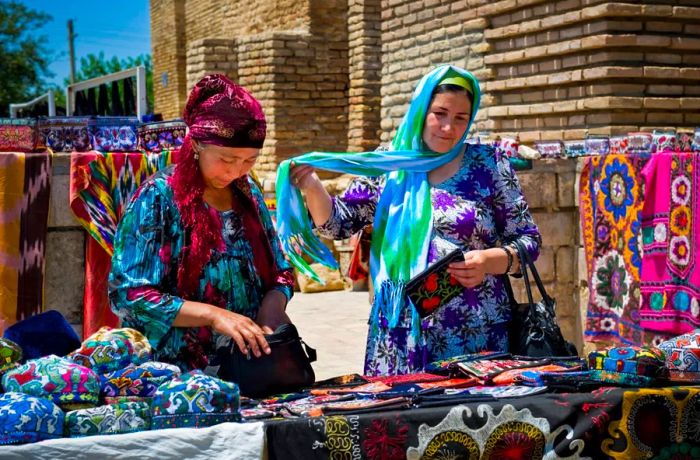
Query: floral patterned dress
pixel 480 207
pixel 143 281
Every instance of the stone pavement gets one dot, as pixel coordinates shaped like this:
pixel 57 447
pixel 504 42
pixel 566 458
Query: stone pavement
pixel 335 324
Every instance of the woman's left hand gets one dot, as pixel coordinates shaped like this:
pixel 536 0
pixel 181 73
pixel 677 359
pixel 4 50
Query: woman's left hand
pixel 472 271
pixel 272 313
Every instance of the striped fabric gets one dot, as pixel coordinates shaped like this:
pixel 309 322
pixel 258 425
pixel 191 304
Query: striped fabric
pixel 25 183
pixel 101 185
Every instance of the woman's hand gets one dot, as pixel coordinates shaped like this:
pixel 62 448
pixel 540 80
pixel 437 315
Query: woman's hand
pixel 304 177
pixel 472 271
pixel 317 198
pixel 243 330
pixel 271 314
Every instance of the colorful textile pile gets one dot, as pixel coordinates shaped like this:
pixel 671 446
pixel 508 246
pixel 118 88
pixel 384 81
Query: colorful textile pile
pixel 628 366
pixel 101 185
pixel 670 282
pixel 24 211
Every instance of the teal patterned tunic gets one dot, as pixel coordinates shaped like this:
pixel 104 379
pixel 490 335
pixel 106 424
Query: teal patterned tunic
pixel 143 281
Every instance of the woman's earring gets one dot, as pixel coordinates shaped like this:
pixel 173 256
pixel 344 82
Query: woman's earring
pixel 196 155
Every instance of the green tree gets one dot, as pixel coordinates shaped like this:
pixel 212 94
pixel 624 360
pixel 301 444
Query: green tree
pixel 93 66
pixel 24 60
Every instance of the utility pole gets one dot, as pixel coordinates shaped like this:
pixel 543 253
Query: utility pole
pixel 71 50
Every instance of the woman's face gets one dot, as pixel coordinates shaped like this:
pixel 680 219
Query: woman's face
pixel 222 165
pixel 446 121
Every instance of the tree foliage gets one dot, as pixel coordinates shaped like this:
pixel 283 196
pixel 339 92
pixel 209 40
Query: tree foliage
pixel 24 58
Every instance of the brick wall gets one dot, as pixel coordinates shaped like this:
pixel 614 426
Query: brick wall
pixel 169 56
pixel 564 69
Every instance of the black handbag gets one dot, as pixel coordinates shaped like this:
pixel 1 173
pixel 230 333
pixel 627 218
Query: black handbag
pixel 533 328
pixel 286 369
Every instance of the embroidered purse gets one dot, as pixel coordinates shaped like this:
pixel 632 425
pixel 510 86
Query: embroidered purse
pixel 434 287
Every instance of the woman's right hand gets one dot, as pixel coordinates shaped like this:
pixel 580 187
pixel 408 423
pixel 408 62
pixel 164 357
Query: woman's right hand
pixel 243 330
pixel 304 177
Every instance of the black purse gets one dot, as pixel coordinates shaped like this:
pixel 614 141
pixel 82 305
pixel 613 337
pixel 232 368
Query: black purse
pixel 286 369
pixel 533 328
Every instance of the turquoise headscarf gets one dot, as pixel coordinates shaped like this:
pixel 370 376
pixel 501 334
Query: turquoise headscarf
pixel 404 215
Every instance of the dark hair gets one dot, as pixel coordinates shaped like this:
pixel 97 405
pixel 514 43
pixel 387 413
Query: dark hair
pixel 450 88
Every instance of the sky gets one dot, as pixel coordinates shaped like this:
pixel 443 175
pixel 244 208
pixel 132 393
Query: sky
pixel 118 28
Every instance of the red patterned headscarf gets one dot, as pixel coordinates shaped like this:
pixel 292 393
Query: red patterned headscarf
pixel 219 112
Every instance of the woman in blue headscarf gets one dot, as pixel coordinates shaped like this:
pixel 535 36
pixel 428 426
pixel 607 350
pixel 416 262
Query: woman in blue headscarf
pixel 428 194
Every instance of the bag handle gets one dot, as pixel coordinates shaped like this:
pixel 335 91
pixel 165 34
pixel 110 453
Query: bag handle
pixel 525 264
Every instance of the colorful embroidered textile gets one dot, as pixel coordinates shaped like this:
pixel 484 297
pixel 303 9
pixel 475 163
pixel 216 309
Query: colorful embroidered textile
pixel 140 381
pixel 10 355
pixel 157 137
pixel 67 384
pixel 65 134
pixel 101 185
pixel 515 376
pixel 610 197
pixel 18 135
pixel 643 361
pixel 445 365
pixel 25 419
pixel 195 400
pixel 121 418
pixel 418 377
pixel 671 236
pixel 622 379
pixel 113 134
pixel 108 350
pixel 24 212
pixel 487 369
pixel 683 357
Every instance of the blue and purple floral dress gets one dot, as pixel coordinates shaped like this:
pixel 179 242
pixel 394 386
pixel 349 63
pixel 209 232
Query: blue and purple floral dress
pixel 480 207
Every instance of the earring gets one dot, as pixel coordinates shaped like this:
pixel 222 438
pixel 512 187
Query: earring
pixel 196 155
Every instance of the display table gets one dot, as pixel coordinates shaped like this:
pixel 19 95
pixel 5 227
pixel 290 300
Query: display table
pixel 606 423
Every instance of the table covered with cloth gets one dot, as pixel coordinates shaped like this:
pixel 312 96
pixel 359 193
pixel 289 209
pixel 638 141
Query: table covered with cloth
pixel 609 422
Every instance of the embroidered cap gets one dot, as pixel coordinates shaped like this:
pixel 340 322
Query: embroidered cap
pixel 25 419
pixel 120 418
pixel 10 355
pixel 108 350
pixel 65 383
pixel 140 381
pixel 195 400
pixel 683 357
pixel 44 334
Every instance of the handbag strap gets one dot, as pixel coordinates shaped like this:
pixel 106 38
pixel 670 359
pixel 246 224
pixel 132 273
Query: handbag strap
pixel 526 265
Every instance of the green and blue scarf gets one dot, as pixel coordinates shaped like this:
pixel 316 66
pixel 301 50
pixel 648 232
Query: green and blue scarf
pixel 404 215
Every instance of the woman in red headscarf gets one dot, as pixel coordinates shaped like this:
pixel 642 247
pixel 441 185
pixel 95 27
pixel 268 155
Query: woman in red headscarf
pixel 196 257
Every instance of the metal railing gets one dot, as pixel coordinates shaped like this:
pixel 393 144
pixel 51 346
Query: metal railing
pixel 138 72
pixel 49 96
